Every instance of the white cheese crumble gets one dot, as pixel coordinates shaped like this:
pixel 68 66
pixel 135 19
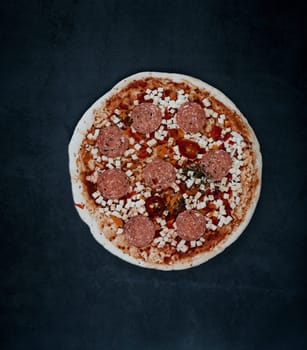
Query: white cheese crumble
pixel 206 102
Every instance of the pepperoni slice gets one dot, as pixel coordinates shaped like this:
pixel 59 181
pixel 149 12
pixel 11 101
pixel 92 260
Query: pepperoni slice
pixel 216 164
pixel 146 118
pixel 191 117
pixel 159 174
pixel 139 231
pixel 112 142
pixel 191 225
pixel 113 184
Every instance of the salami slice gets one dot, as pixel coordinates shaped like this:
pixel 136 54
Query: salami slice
pixel 139 231
pixel 159 174
pixel 191 117
pixel 112 142
pixel 216 164
pixel 146 118
pixel 113 184
pixel 191 225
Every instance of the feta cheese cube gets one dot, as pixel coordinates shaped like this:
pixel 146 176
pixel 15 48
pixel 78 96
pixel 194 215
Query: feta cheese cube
pixel 131 140
pixel 197 195
pixel 120 231
pixel 151 142
pixel 180 245
pixel 95 194
pixel 193 244
pixel 206 102
pixel 184 248
pixel 201 205
pixel 189 183
pixel 115 119
pixel 176 149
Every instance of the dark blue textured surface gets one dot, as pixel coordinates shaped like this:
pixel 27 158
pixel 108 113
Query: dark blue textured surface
pixel 59 288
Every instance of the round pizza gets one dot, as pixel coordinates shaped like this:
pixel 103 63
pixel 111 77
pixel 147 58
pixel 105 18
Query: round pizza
pixel 165 170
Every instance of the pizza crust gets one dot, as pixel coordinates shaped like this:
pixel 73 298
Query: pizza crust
pixel 87 214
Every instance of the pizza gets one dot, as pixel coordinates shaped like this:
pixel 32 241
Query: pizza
pixel 165 170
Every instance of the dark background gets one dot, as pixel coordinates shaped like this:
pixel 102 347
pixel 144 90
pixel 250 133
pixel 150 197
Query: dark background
pixel 59 288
